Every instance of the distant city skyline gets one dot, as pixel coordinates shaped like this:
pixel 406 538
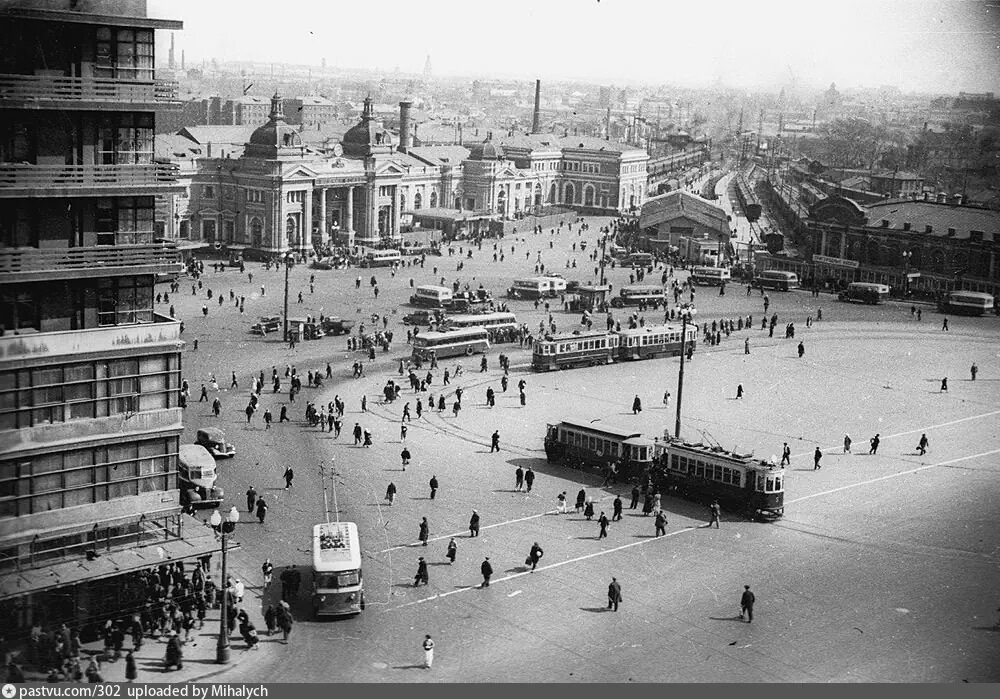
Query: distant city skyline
pixel 943 46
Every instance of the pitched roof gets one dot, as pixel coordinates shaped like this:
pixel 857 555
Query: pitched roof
pixel 218 134
pixel 440 155
pixel 681 204
pixel 941 217
pixel 592 143
pixel 173 146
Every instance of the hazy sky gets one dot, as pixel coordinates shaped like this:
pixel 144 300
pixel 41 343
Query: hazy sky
pixel 935 46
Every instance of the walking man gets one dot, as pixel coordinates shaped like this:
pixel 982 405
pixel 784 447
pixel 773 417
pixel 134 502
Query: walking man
pixel 786 455
pixel 746 604
pixel 661 523
pixel 817 455
pixel 614 594
pixel 434 486
pixel 518 479
pixel 261 510
pixel 974 370
pixel 425 531
pixel 474 524
pixel 715 512
pixel 923 444
pixel 428 646
pixel 251 498
pixel 289 475
pixel 422 575
pixel 847 444
pixel 603 521
pixel 739 391
pixel 495 442
pixel 452 550
pixel 746 346
pixel 944 324
pixel 357 433
pixel 617 505
pixel 534 556
pixel 390 492
pixel 529 479
pixel 802 349
pixel 636 405
pixel 874 443
pixel 487 570
pixel 635 498
pixel 944 384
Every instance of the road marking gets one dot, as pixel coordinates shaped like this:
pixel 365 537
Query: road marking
pixel 551 566
pixel 515 593
pixel 893 475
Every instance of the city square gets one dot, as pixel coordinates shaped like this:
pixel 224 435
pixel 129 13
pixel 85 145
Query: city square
pixel 343 350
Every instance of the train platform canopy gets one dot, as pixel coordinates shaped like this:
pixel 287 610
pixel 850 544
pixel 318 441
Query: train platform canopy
pixel 196 541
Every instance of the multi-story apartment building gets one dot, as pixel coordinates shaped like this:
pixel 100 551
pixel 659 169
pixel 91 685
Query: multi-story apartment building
pixel 90 372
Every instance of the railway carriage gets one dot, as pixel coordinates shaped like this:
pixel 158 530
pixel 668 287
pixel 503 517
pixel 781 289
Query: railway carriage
pixel 571 350
pixel 653 341
pixel 592 445
pixel 703 473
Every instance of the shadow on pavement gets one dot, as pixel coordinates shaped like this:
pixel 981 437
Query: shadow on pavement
pixel 595 610
pixel 726 618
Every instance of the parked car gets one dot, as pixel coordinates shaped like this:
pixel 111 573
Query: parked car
pixel 214 440
pixel 337 326
pixel 423 317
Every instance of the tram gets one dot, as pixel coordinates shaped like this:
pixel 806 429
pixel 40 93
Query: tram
pixel 703 473
pixel 595 347
pixel 592 445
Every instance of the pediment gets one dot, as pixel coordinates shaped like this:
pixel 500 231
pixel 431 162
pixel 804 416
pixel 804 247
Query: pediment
pixel 300 173
pixel 390 169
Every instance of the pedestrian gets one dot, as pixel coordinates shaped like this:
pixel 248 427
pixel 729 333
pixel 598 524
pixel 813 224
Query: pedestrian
pixel 434 486
pixel 474 524
pixel 847 444
pixel 715 512
pixel 666 399
pixel 923 444
pixel 404 456
pixel 746 604
pixel 802 349
pixel 487 570
pixel 425 531
pixel 581 500
pixel 874 444
pixel 617 505
pixel 289 475
pixel 944 384
pixel 614 594
pixel 786 455
pixel 267 568
pixel 661 524
pixel 944 324
pixel 817 455
pixel 603 522
pixel 635 498
pixel 636 405
pixel 390 492
pixel 746 346
pixel 534 555
pixel 251 498
pixel 452 550
pixel 268 418
pixel 357 433
pixel 974 370
pixel 261 510
pixel 495 442
pixel 588 509
pixel 428 646
pixel 518 479
pixel 561 503
pixel 422 575
pixel 529 479
pixel 739 391
pixel 283 417
pixel 216 406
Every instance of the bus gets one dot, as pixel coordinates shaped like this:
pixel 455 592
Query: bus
pixel 776 279
pixel 865 292
pixel 966 303
pixel 495 323
pixel 640 295
pixel 710 276
pixel 640 259
pixel 197 475
pixel 451 343
pixel 338 588
pixel 537 288
pixel 432 296
pixel 381 258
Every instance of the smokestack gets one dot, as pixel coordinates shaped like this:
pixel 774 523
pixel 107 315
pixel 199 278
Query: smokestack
pixel 537 115
pixel 405 134
pixel 170 60
pixel 182 59
pixel 607 125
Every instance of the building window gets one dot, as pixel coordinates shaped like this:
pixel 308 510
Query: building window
pixel 125 139
pixel 434 199
pixel 125 221
pixel 418 200
pixel 124 54
pixel 124 301
pixel 208 230
pixel 208 192
pixel 255 196
pixel 229 231
pixel 18 311
pixel 184 230
pixel 256 232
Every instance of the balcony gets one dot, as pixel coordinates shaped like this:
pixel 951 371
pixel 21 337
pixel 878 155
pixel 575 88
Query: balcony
pixel 21 265
pixel 26 180
pixel 65 343
pixel 62 92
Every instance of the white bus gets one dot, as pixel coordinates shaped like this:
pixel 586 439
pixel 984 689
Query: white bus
pixel 967 303
pixel 711 276
pixel 537 288
pixel 197 475
pixel 490 321
pixel 337 585
pixel 451 343
pixel 381 258
pixel 775 279
pixel 432 296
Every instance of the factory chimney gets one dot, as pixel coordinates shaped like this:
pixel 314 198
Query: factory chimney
pixel 537 115
pixel 405 131
pixel 170 60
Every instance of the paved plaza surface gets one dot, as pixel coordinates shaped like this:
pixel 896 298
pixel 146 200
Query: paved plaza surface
pixel 884 568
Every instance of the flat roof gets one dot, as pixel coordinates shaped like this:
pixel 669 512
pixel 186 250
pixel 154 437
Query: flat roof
pixel 91 18
pixel 336 546
pixel 597 427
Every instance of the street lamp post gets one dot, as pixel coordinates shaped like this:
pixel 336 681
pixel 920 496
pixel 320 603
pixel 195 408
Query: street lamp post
pixel 288 265
pixel 686 315
pixel 907 254
pixel 224 527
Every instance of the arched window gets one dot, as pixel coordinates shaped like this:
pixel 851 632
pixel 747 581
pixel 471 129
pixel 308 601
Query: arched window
pixel 502 202
pixel 569 193
pixel 434 199
pixel 418 201
pixel 553 196
pixel 291 231
pixel 538 194
pixel 588 195
pixel 402 202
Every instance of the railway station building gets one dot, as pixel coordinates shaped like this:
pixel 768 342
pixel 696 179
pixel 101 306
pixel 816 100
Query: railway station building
pixel 679 219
